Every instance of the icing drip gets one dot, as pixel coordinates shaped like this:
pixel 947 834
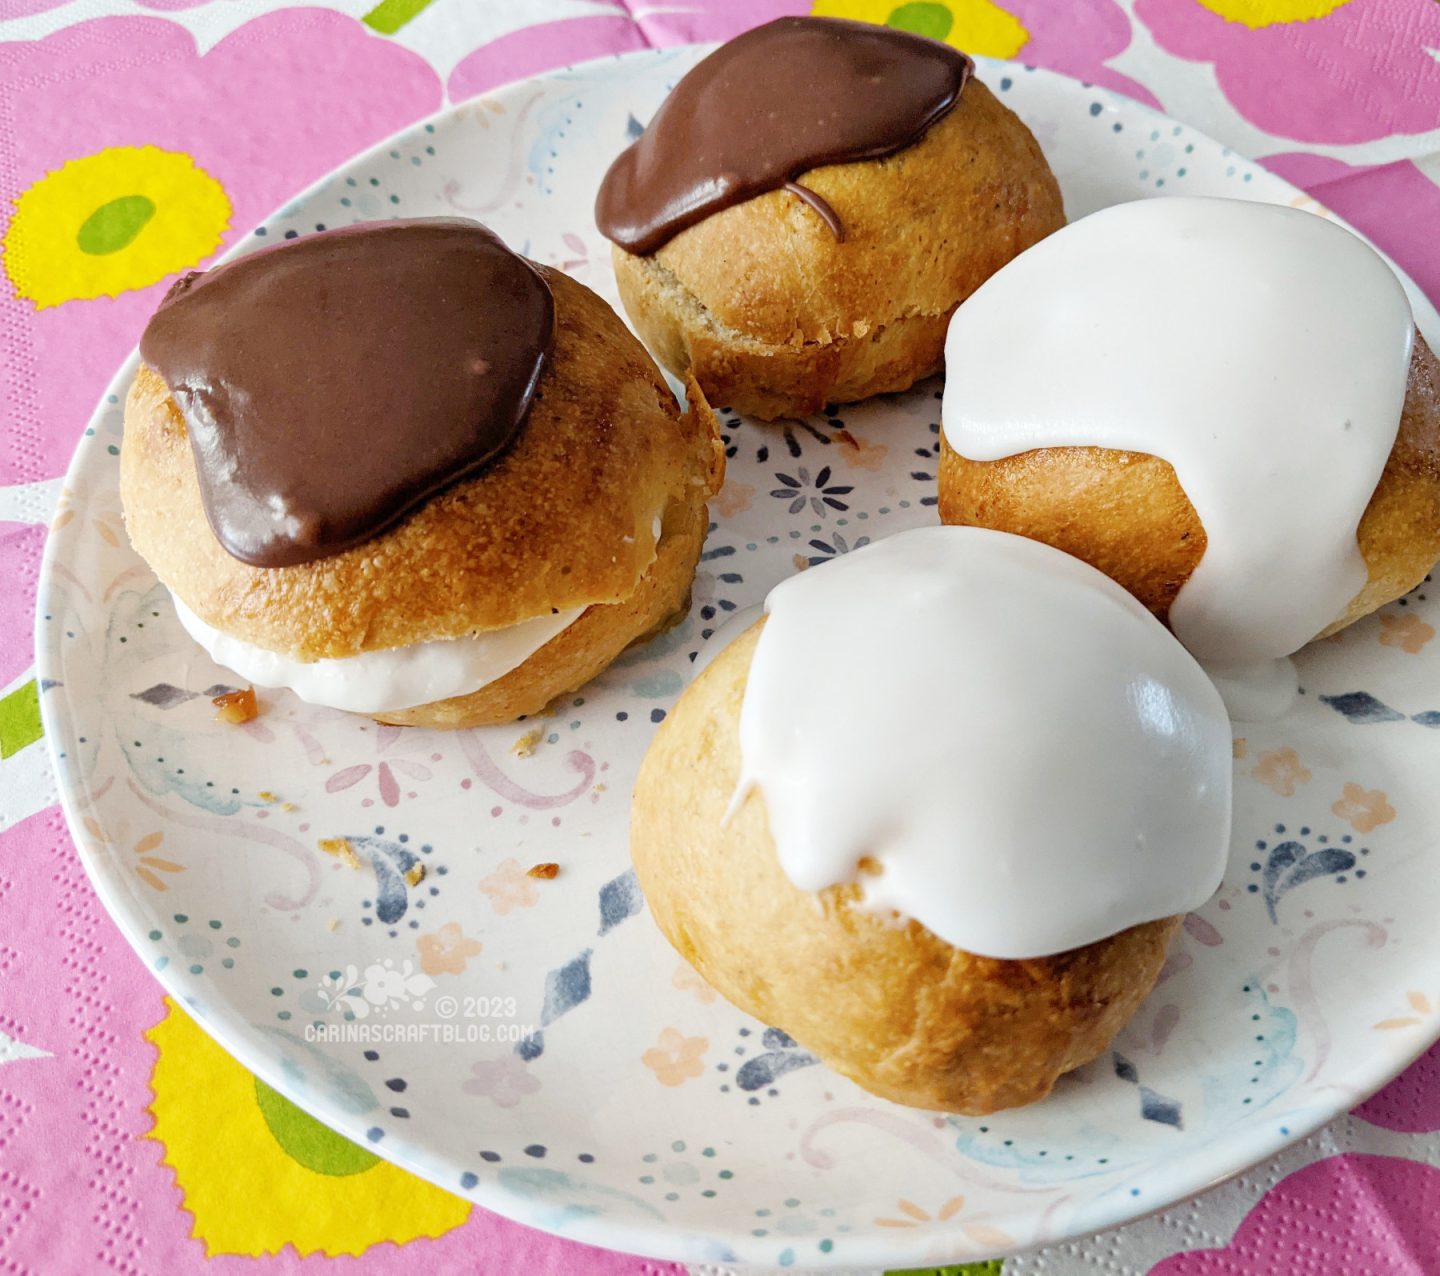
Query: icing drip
pixel 1032 760
pixel 822 208
pixel 1262 351
pixel 1259 692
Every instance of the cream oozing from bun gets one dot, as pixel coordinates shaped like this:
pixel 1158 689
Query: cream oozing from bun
pixel 384 681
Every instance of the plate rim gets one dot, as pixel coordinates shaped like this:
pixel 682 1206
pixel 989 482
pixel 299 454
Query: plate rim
pixel 1247 1146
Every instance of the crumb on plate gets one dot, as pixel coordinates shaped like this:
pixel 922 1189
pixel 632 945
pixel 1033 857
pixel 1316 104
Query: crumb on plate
pixel 525 745
pixel 236 706
pixel 342 850
pixel 545 871
pixel 415 874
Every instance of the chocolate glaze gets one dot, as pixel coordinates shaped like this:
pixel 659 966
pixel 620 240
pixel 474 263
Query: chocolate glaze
pixel 775 102
pixel 331 385
pixel 822 208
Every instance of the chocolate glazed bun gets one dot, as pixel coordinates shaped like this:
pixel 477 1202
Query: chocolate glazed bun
pixel 761 301
pixel 1126 514
pixel 897 1010
pixel 565 517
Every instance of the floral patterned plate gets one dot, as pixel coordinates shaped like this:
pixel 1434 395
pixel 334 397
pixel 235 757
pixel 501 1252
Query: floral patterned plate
pixel 532 1043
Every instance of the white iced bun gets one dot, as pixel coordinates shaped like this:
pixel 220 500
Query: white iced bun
pixel 937 814
pixel 1260 351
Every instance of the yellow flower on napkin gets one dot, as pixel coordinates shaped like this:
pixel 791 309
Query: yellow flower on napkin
pixel 112 222
pixel 258 1174
pixel 976 26
pixel 1268 13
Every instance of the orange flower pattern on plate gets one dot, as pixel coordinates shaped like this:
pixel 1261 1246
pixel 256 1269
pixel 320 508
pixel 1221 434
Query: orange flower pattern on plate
pixel 1281 769
pixel 915 1216
pixel 1408 632
pixel 1364 809
pixel 858 453
pixel 732 499
pixel 149 866
pixel 676 1058
pixel 1420 1004
pixel 445 951
pixel 509 887
pixel 688 979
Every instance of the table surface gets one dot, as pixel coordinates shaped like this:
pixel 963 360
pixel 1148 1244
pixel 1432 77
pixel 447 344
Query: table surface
pixel 128 1139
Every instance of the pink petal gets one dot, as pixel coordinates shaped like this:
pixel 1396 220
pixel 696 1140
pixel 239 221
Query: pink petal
pixel 351 775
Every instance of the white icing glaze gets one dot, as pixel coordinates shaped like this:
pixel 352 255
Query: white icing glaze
pixel 1260 350
pixel 1034 761
pixel 1257 692
pixel 383 681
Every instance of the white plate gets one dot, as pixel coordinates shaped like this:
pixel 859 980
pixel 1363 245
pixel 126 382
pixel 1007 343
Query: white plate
pixel 600 1091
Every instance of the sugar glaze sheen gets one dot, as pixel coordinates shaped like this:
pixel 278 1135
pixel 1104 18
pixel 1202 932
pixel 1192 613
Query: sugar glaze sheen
pixel 1262 351
pixel 1031 758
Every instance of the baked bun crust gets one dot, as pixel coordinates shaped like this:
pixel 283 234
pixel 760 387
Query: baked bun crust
pixel 1126 514
pixel 774 318
pixel 897 1010
pixel 564 519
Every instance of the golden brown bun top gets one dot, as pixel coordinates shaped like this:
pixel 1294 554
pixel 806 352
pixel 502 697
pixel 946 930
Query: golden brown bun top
pixel 771 269
pixel 564 519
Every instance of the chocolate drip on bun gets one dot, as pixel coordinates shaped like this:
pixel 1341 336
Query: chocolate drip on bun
pixel 331 385
pixel 792 95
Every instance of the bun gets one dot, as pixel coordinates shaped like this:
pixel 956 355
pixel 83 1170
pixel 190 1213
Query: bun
pixel 565 518
pixel 897 1010
pixel 774 318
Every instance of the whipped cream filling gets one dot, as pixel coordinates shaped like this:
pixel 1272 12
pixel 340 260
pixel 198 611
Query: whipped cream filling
pixel 1029 757
pixel 1262 351
pixel 384 681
